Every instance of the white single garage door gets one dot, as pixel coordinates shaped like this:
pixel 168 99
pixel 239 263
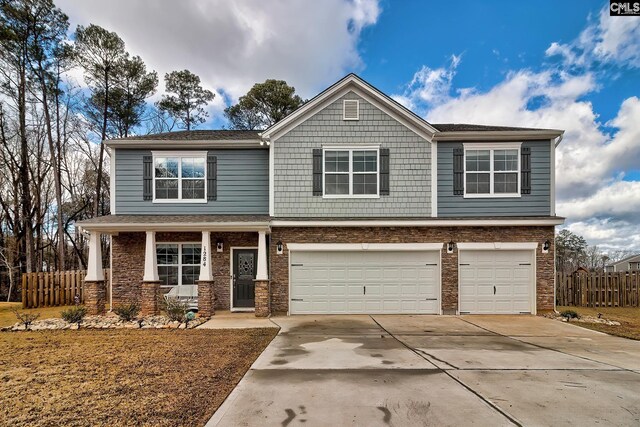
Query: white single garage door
pixel 496 281
pixel 338 282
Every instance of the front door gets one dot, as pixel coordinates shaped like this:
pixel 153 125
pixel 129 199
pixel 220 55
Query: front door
pixel 244 272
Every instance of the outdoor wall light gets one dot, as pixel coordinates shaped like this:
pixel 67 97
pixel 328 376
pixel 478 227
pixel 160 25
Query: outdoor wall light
pixel 545 246
pixel 219 245
pixel 450 247
pixel 279 247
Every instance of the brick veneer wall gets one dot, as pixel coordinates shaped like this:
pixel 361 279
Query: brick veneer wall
pixel 545 281
pixel 128 262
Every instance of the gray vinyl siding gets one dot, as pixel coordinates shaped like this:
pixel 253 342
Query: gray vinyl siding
pixel 538 203
pixel 409 163
pixel 243 185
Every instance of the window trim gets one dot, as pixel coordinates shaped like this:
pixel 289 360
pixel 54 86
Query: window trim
pixel 492 148
pixel 179 265
pixel 351 149
pixel 180 155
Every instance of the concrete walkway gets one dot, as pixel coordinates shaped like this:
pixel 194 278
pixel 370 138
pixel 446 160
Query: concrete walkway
pixel 228 320
pixel 437 370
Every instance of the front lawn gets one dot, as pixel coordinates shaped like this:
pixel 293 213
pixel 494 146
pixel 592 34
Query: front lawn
pixel 8 318
pixel 122 377
pixel 629 319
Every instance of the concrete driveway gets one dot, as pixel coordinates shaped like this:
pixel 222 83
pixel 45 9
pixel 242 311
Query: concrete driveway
pixel 437 370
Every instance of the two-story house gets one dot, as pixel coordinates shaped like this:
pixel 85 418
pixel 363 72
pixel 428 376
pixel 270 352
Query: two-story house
pixel 351 204
pixel 631 263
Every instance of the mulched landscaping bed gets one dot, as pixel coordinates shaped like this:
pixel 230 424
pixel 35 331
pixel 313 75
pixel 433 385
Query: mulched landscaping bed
pixel 122 377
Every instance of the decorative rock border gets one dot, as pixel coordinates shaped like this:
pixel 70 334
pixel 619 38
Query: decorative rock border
pixel 582 319
pixel 108 322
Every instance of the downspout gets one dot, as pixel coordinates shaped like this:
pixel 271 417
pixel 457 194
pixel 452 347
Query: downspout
pixel 555 272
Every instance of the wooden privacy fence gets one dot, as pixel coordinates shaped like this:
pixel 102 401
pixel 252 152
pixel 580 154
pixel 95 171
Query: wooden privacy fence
pixel 598 289
pixel 55 288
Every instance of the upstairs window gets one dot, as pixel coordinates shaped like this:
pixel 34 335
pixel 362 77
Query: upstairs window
pixel 179 177
pixel 491 171
pixel 351 172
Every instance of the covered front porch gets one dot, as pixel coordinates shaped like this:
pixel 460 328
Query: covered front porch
pixel 214 262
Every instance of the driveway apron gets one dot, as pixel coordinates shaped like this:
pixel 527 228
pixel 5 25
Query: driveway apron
pixel 436 370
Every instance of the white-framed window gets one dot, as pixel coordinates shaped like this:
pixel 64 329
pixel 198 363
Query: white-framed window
pixel 178 263
pixel 491 170
pixel 351 172
pixel 179 177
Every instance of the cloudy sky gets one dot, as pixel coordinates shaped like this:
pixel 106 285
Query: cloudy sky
pixel 566 65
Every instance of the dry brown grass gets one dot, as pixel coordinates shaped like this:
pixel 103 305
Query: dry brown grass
pixel 122 377
pixel 8 318
pixel 629 319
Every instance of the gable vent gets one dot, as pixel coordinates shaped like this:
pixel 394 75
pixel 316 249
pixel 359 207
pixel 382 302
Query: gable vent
pixel 351 110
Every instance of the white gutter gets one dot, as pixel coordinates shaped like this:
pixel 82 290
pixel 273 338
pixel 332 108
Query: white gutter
pixel 559 140
pixel 419 223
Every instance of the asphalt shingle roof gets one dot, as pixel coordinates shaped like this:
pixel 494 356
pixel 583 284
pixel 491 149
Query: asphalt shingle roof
pixel 252 135
pixel 172 219
pixel 468 127
pixel 197 135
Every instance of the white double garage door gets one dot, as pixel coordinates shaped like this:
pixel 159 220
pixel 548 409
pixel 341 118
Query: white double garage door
pixel 405 279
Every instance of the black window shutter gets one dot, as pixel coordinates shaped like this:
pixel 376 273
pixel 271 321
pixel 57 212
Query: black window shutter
pixel 212 177
pixel 147 178
pixel 458 171
pixel 317 172
pixel 525 168
pixel 384 171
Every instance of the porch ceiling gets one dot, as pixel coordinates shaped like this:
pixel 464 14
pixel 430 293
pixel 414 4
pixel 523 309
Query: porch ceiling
pixel 110 224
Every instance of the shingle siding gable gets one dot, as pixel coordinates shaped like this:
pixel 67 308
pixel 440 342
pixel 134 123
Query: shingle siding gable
pixel 410 165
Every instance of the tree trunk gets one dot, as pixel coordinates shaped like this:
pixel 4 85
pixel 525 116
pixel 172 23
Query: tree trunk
pixel 56 169
pixel 105 109
pixel 24 168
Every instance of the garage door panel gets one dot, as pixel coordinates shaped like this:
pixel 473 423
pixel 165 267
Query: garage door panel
pixel 396 282
pixel 509 271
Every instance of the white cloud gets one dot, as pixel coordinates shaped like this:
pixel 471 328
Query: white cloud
pixel 619 200
pixel 611 39
pixel 232 45
pixel 608 234
pixel 430 86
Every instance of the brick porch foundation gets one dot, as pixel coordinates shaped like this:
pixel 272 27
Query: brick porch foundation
pixel 150 298
pixel 263 306
pixel 95 293
pixel 206 298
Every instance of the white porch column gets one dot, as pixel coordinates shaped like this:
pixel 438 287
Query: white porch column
pixel 150 260
pixel 94 264
pixel 205 257
pixel 262 274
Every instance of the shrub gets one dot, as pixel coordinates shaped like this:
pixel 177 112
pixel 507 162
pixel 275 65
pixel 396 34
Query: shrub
pixel 25 319
pixel 127 312
pixel 75 314
pixel 570 314
pixel 176 309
